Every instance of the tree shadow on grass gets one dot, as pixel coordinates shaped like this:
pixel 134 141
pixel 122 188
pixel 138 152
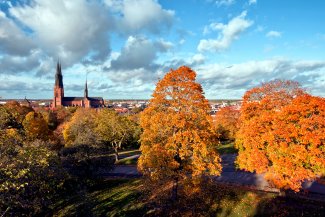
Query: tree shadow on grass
pixel 290 205
pixel 107 198
pixel 208 199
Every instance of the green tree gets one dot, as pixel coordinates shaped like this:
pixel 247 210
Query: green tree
pixel 7 120
pixel 178 142
pixel 82 146
pixel 18 112
pixel 80 129
pixel 115 130
pixel 31 176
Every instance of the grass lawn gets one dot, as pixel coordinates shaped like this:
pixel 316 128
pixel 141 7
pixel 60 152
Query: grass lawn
pixel 129 153
pixel 227 148
pixel 121 197
pixel 128 161
pixel 114 197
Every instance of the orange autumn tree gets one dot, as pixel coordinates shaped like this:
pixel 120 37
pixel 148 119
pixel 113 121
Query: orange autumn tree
pixel 263 138
pixel 178 142
pixel 296 143
pixel 227 122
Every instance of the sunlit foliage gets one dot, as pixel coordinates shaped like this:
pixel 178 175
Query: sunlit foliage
pixel 115 130
pixel 282 134
pixel 227 122
pixel 178 142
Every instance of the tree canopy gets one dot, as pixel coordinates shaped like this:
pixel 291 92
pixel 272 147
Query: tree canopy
pixel 282 133
pixel 178 141
pixel 227 122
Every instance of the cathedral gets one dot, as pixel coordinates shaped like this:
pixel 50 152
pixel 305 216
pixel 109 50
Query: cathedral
pixel 61 100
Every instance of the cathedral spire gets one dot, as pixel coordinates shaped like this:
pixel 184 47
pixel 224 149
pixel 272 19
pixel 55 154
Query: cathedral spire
pixel 86 89
pixel 58 76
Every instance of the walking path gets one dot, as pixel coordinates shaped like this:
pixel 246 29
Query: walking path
pixel 229 175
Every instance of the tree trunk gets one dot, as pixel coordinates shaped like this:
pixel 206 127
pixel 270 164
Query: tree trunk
pixel 116 154
pixel 174 190
pixel 282 193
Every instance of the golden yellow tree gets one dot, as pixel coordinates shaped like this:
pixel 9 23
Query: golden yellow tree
pixel 35 126
pixel 178 142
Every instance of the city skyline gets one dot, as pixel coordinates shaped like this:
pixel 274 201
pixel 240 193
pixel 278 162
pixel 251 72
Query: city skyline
pixel 125 46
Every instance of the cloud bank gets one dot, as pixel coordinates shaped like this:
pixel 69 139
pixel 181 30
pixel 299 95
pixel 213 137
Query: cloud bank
pixel 228 33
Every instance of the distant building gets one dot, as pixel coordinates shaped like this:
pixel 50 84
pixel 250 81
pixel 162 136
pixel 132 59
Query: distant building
pixel 61 100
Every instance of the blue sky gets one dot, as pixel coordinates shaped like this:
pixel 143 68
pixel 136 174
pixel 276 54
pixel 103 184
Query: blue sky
pixel 125 46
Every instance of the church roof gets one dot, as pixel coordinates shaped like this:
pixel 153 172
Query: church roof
pixel 81 98
pixel 72 98
pixel 95 98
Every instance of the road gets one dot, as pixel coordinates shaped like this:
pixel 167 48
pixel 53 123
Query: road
pixel 229 175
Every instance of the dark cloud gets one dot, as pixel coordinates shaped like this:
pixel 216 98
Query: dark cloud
pixel 17 64
pixel 12 40
pixel 139 52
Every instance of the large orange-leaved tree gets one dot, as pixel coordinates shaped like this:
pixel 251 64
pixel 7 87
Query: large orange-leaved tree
pixel 281 133
pixel 178 143
pixel 296 143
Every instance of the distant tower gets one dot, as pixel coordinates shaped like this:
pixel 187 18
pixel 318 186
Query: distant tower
pixel 58 87
pixel 86 101
pixel 86 90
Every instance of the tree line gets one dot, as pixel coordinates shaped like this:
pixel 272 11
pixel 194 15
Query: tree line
pixel 46 154
pixel 279 131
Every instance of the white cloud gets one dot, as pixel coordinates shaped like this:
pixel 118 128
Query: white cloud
pixel 139 15
pixel 76 31
pixel 224 2
pixel 267 69
pixel 197 59
pixel 68 29
pixel 251 2
pixel 260 28
pixel 229 33
pixel 237 78
pixel 273 34
pixel 181 41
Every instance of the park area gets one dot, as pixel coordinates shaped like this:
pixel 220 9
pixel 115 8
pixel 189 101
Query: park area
pixel 174 158
pixel 121 193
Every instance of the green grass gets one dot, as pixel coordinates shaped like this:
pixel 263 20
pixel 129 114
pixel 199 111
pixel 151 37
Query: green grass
pixel 129 153
pixel 121 197
pixel 227 148
pixel 128 161
pixel 116 197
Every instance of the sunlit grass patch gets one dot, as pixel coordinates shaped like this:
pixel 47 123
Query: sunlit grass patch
pixel 116 197
pixel 123 197
pixel 128 161
pixel 227 148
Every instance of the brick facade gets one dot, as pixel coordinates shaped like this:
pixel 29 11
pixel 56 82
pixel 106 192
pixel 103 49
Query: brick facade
pixel 60 100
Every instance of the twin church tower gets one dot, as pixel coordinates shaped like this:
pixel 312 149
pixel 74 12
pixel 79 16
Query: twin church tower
pixel 61 100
